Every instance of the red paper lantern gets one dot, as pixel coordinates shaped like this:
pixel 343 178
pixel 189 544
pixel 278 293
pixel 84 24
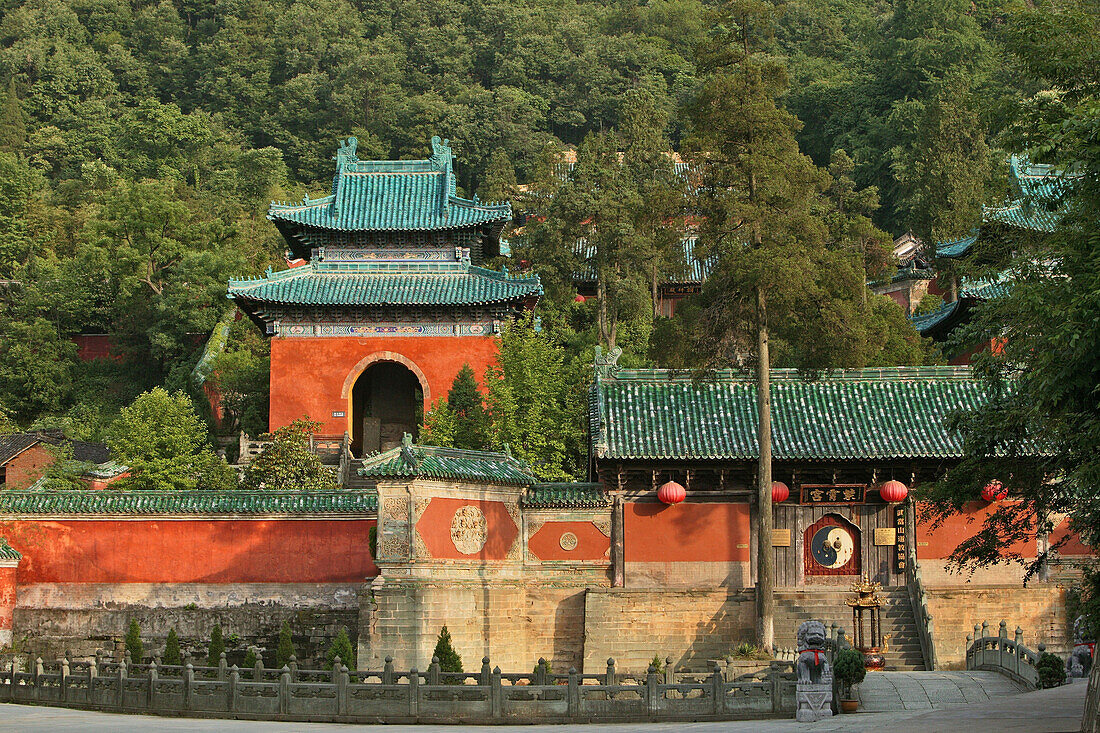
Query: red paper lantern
pixel 994 491
pixel 579 299
pixel 671 493
pixel 893 491
pixel 780 492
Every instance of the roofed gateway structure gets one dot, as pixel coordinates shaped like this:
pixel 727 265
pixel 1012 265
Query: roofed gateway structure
pixel 391 301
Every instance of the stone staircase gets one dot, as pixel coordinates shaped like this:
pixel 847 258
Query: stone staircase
pixel 354 480
pixel 793 606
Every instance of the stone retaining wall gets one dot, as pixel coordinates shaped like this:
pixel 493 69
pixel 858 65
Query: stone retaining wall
pixel 52 619
pixel 692 626
pixel 1039 610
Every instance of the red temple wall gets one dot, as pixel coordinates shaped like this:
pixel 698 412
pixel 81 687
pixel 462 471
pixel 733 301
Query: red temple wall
pixel 191 550
pixel 654 532
pixel 938 543
pixel 308 375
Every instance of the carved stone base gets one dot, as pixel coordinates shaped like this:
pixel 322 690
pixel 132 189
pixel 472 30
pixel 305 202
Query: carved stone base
pixel 814 702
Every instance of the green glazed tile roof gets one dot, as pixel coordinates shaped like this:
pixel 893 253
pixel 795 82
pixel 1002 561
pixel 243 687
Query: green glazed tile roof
pixel 926 322
pixel 108 501
pixel 7 552
pixel 552 495
pixel 344 283
pixel 859 414
pixel 957 247
pixel 392 195
pixel 430 462
pixel 970 292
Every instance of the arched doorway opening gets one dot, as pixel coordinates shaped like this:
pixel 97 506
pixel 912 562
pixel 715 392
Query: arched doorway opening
pixel 387 401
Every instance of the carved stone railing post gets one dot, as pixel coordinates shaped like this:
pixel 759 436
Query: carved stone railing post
pixel 231 688
pixel 341 690
pixel 486 672
pixel 336 663
pixel 293 664
pixel 149 700
pixel 122 667
pixel 609 677
pixel 223 668
pixel 65 678
pixel 434 672
pixel 717 691
pixel 1016 647
pixel 388 675
pixel 540 672
pixel 652 690
pixel 573 699
pixel 496 694
pixel 188 685
pixel 258 670
pixel 414 693
pixel 1002 643
pixel 670 672
pixel 284 690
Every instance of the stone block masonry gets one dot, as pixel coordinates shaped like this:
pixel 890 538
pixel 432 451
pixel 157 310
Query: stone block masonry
pixel 513 623
pixel 82 619
pixel 1040 611
pixel 632 625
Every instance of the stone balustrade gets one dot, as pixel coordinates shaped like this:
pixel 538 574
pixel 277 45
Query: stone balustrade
pixel 918 600
pixel 1003 654
pixel 393 696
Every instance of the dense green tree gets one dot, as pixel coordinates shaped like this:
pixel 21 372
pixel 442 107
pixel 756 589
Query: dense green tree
pixel 340 647
pixel 1042 379
pixel 449 661
pixel 216 648
pixel 13 123
pixel 287 463
pixel 133 642
pixel 172 649
pixel 461 421
pixel 165 445
pixel 285 650
pixel 533 406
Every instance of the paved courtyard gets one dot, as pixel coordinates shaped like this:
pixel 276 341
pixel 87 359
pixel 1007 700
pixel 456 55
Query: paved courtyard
pixel 1045 711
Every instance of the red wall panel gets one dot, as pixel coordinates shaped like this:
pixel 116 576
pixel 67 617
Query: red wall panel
pixel 686 532
pixel 192 551
pixel 308 374
pixel 592 544
pixel 434 527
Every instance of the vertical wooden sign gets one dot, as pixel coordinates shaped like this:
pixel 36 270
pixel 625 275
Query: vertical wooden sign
pixel 902 524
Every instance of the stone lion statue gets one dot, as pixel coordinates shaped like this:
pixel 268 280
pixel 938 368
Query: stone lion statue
pixel 1080 660
pixel 812 667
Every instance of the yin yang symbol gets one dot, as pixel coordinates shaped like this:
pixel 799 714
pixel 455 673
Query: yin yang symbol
pixel 832 547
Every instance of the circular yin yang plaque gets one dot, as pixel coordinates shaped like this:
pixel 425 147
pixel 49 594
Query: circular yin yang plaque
pixel 469 530
pixel 832 547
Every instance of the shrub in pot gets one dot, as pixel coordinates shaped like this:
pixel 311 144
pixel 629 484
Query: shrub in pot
pixel 849 669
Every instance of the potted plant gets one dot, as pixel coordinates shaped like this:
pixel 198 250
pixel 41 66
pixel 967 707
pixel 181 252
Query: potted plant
pixel 849 669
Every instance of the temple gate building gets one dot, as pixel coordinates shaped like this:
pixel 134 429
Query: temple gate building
pixel 391 301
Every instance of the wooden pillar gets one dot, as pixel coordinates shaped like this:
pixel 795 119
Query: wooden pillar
pixel 618 563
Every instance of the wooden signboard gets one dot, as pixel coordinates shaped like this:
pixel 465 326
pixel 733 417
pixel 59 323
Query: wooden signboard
pixel 901 531
pixel 832 493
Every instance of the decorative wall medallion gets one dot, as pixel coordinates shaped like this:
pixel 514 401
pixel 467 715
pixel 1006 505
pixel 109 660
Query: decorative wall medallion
pixel 469 530
pixel 568 541
pixel 604 525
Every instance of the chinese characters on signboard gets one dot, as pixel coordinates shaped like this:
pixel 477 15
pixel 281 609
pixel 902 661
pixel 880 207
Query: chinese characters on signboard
pixel 832 493
pixel 902 525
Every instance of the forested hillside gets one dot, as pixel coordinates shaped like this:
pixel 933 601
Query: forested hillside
pixel 140 143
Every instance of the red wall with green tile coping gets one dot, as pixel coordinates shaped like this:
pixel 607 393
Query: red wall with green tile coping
pixel 308 374
pixel 192 550
pixel 654 532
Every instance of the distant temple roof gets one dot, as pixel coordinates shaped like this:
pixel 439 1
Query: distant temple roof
pixel 938 323
pixel 13 445
pixel 368 284
pixel 856 414
pixel 429 462
pixel 392 195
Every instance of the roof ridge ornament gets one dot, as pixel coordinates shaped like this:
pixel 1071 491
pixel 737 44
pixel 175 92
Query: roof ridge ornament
pixel 607 366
